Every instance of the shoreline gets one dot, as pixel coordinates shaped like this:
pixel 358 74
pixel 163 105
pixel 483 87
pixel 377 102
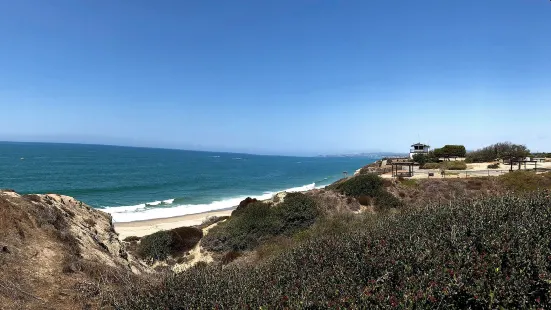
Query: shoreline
pixel 147 227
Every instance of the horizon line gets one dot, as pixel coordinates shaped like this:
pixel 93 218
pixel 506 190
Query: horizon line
pixel 191 150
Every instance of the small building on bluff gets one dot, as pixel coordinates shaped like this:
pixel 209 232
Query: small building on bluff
pixel 419 148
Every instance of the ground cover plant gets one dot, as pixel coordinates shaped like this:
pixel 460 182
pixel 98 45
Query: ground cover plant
pixel 367 188
pixel 479 254
pixel 165 243
pixel 431 166
pixel 454 165
pixel 259 221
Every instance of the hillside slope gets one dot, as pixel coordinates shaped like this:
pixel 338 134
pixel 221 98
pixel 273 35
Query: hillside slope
pixel 52 249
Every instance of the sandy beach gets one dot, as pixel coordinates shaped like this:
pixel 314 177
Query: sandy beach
pixel 142 228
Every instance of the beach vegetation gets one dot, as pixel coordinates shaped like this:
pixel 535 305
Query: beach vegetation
pixel 430 166
pixel 368 186
pixel 525 181
pixel 260 221
pixel 131 239
pixel 165 243
pixel 493 166
pixel 155 246
pixel 474 254
pixel 453 165
pixel 446 165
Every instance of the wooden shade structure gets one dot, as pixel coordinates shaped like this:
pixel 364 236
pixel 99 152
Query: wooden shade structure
pixel 396 169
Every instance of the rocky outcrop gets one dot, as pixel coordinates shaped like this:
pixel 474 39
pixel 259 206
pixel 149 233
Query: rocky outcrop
pixel 52 246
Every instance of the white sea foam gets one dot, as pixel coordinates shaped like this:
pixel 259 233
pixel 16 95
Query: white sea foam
pixel 141 212
pixel 154 203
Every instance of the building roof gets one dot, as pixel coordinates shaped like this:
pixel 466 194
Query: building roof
pixel 420 144
pixel 402 163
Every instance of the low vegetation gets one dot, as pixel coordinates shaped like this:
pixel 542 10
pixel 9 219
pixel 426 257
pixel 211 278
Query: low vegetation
pixel 525 181
pixel 369 189
pixel 431 166
pixel 467 254
pixel 165 243
pixel 493 166
pixel 260 221
pixel 446 165
pixel 454 165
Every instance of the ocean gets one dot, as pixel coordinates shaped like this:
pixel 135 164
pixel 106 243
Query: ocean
pixel 145 183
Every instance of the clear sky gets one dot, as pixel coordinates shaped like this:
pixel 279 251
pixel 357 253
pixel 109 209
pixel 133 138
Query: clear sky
pixel 277 77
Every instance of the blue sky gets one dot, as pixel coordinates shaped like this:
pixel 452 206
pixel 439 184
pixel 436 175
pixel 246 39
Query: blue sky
pixel 277 77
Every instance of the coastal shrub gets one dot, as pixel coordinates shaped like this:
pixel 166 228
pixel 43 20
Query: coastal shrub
pixel 493 166
pixel 156 246
pixel 260 221
pixel 162 244
pixel 297 212
pixel 243 205
pixel 384 201
pixel 243 231
pixel 184 239
pixel 230 257
pixel 364 187
pixel 367 184
pixel 431 166
pixel 454 165
pixel 131 239
pixel 525 181
pixel 467 254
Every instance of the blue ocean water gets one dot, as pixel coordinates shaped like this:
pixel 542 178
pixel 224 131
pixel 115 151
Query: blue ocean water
pixel 144 183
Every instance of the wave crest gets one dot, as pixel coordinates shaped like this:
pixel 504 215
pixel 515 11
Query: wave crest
pixel 154 210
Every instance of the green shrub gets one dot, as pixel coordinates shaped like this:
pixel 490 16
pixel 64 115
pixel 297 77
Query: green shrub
pixel 296 212
pixel 483 254
pixel 184 239
pixel 155 246
pixel 421 159
pixel 160 245
pixel 368 188
pixel 431 166
pixel 493 166
pixel 131 239
pixel 260 221
pixel 525 181
pixel 454 165
pixel 385 201
pixel 367 184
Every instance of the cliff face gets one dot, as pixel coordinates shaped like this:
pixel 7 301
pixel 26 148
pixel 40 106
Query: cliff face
pixel 53 250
